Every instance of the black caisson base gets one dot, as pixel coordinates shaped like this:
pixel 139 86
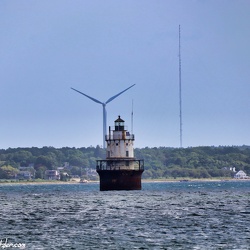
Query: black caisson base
pixel 120 179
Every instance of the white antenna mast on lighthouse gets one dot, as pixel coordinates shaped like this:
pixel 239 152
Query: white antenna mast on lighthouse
pixel 180 101
pixel 132 117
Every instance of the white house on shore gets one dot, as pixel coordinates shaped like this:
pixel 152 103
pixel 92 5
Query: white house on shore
pixel 241 175
pixel 52 175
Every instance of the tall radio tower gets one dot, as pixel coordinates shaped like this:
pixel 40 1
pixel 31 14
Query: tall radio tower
pixel 180 100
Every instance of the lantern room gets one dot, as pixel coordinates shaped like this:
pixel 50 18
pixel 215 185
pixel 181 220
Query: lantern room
pixel 119 124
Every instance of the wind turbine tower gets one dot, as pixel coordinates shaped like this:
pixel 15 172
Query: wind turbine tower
pixel 104 108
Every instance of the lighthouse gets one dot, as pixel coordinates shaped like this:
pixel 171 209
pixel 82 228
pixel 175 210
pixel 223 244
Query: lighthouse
pixel 120 170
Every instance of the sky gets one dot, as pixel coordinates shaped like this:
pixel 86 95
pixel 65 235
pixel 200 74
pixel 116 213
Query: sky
pixel 102 47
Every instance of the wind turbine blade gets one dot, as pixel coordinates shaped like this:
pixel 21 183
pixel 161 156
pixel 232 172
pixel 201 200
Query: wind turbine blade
pixel 113 97
pixel 93 99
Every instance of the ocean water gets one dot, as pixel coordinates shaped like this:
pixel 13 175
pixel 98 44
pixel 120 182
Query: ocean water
pixel 177 215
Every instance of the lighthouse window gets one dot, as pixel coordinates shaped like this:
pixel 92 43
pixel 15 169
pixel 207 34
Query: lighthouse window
pixel 117 144
pixel 127 154
pixel 126 144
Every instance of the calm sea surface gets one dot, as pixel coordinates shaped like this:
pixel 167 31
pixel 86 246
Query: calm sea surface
pixel 179 215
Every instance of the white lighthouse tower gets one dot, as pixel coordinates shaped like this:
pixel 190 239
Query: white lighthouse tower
pixel 120 145
pixel 120 170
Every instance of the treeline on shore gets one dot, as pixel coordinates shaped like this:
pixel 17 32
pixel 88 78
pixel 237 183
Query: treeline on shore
pixel 161 162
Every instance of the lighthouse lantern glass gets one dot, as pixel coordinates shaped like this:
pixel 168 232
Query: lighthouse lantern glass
pixel 119 124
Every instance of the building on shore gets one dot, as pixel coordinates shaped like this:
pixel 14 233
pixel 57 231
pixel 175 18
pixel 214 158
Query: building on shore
pixel 23 175
pixel 241 175
pixel 52 175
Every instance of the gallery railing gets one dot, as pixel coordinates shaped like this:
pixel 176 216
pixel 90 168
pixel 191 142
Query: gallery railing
pixel 138 165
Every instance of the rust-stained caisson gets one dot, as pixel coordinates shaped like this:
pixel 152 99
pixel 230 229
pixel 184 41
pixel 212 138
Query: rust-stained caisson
pixel 120 170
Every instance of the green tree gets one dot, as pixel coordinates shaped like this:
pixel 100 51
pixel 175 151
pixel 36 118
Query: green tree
pixel 8 172
pixel 44 161
pixel 75 170
pixel 99 152
pixel 75 160
pixel 40 172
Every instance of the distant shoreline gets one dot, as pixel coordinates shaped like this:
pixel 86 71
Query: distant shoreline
pixel 44 182
pixel 89 182
pixel 194 180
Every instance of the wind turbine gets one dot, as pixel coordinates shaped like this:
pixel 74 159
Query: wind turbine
pixel 104 108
